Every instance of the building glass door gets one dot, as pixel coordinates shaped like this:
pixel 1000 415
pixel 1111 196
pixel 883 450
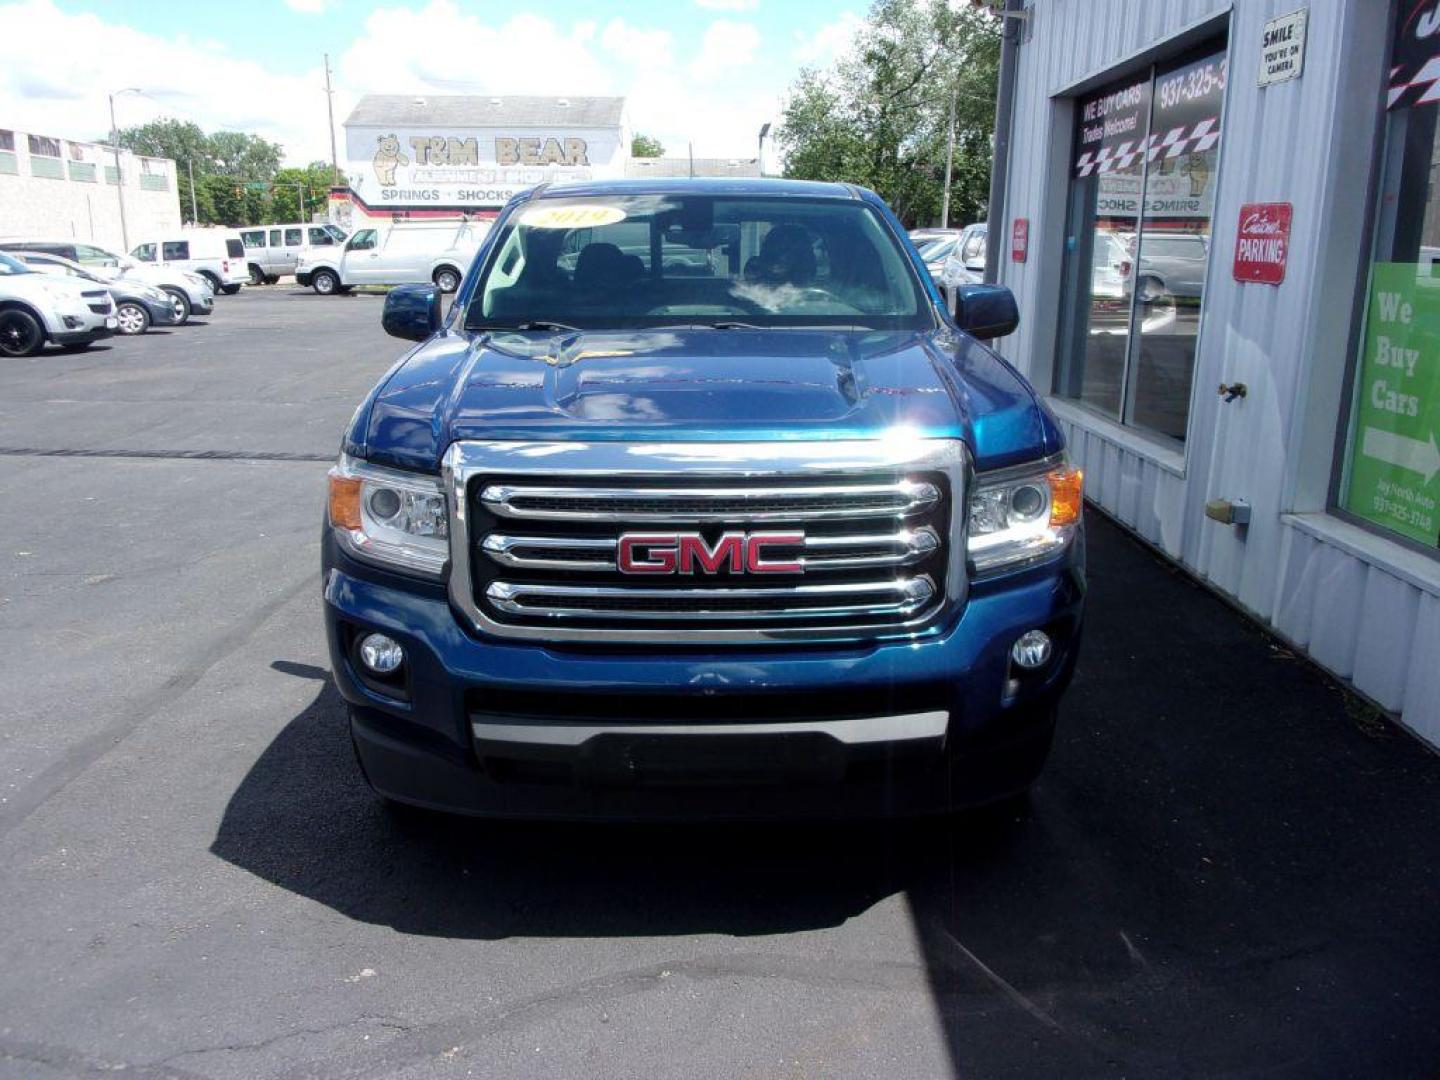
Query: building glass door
pixel 1138 241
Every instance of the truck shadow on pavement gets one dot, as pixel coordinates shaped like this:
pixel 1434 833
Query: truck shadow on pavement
pixel 1229 866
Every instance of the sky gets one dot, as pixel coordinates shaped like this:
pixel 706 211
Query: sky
pixel 706 71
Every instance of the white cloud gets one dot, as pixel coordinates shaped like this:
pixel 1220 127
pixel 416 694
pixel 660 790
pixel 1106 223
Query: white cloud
pixel 307 7
pixel 728 5
pixel 58 84
pixel 724 47
pixel 829 42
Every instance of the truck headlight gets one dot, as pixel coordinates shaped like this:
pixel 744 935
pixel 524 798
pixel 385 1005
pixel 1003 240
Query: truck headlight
pixel 391 518
pixel 1019 515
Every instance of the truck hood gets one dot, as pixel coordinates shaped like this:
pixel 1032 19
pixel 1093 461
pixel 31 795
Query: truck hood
pixel 701 385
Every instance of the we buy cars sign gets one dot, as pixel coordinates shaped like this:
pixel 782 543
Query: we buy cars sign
pixel 1262 242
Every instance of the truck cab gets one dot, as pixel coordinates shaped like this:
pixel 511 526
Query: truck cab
pixel 399 253
pixel 699 502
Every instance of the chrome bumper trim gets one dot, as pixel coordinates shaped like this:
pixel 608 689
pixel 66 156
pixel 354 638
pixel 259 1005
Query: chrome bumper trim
pixel 857 731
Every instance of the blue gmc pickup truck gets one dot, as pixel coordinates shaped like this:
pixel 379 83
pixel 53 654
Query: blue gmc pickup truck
pixel 700 502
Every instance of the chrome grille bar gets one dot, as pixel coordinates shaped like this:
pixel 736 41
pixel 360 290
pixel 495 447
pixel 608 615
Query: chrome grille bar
pixel 596 554
pixel 868 599
pixel 690 505
pixel 536 532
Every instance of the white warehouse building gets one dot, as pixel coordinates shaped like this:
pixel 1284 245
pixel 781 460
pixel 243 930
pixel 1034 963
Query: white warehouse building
pixel 59 187
pixel 1222 225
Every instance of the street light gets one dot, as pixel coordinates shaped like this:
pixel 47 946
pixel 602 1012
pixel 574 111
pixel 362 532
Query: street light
pixel 119 176
pixel 760 150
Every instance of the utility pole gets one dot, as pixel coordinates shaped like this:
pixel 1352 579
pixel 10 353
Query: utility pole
pixel 760 149
pixel 692 159
pixel 194 210
pixel 119 176
pixel 330 111
pixel 949 156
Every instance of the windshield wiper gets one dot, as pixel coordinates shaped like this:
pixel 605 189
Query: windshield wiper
pixel 545 324
pixel 733 326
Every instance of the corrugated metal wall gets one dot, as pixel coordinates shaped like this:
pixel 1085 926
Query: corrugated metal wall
pixel 1363 607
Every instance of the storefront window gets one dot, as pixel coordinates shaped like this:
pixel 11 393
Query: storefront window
pixel 1138 241
pixel 1392 468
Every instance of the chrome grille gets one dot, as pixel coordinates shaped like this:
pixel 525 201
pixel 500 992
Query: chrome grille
pixel 537 531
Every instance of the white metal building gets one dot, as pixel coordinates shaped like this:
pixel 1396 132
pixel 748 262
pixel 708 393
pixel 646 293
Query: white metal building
pixel 1205 193
pixel 448 155
pixel 59 187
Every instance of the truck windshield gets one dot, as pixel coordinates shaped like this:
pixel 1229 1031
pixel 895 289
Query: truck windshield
pixel 667 260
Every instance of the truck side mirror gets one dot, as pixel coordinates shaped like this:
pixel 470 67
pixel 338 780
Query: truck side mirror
pixel 412 312
pixel 986 311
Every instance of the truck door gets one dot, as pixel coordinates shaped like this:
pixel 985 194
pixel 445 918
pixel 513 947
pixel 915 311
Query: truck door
pixel 359 265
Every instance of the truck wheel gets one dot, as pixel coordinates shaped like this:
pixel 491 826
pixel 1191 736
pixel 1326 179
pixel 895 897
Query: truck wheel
pixel 212 279
pixel 325 282
pixel 132 317
pixel 181 303
pixel 20 333
pixel 448 278
pixel 229 290
pixel 1150 289
pixel 257 276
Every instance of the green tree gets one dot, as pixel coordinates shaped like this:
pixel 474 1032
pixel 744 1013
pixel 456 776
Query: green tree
pixel 879 116
pixel 189 147
pixel 313 180
pixel 244 156
pixel 646 146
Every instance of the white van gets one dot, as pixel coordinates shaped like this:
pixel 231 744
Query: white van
pixel 402 253
pixel 275 249
pixel 217 255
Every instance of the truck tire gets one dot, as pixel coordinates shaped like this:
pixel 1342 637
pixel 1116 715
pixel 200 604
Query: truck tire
pixel 132 317
pixel 447 278
pixel 229 290
pixel 257 276
pixel 20 333
pixel 180 302
pixel 325 282
pixel 212 279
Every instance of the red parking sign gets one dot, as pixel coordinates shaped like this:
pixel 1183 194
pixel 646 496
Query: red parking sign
pixel 1019 239
pixel 1262 242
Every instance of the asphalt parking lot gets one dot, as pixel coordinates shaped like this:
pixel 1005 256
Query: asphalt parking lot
pixel 1229 869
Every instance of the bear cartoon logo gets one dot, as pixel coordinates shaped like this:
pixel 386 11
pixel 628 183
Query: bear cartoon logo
pixel 386 158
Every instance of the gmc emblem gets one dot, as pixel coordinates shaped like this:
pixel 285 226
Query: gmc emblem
pixel 688 553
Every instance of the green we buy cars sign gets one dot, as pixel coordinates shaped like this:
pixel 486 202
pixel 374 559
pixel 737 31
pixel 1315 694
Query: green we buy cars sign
pixel 1394 459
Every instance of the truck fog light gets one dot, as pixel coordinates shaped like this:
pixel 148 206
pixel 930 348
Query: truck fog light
pixel 383 655
pixel 1031 649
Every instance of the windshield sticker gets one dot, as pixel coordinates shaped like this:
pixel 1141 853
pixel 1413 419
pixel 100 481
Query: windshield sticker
pixel 573 216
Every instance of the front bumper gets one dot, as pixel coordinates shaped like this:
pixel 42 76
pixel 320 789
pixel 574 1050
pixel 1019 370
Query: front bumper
pixel 161 312
pixel 500 728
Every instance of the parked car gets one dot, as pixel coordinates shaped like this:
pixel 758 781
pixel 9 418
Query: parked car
pixel 217 255
pixel 935 250
pixel 138 306
pixel 36 308
pixel 405 252
pixel 779 537
pixel 965 265
pixel 926 235
pixel 1171 264
pixel 275 249
pixel 190 294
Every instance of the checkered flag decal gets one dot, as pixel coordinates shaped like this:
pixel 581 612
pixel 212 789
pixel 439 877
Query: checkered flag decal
pixel 1194 140
pixel 1423 89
